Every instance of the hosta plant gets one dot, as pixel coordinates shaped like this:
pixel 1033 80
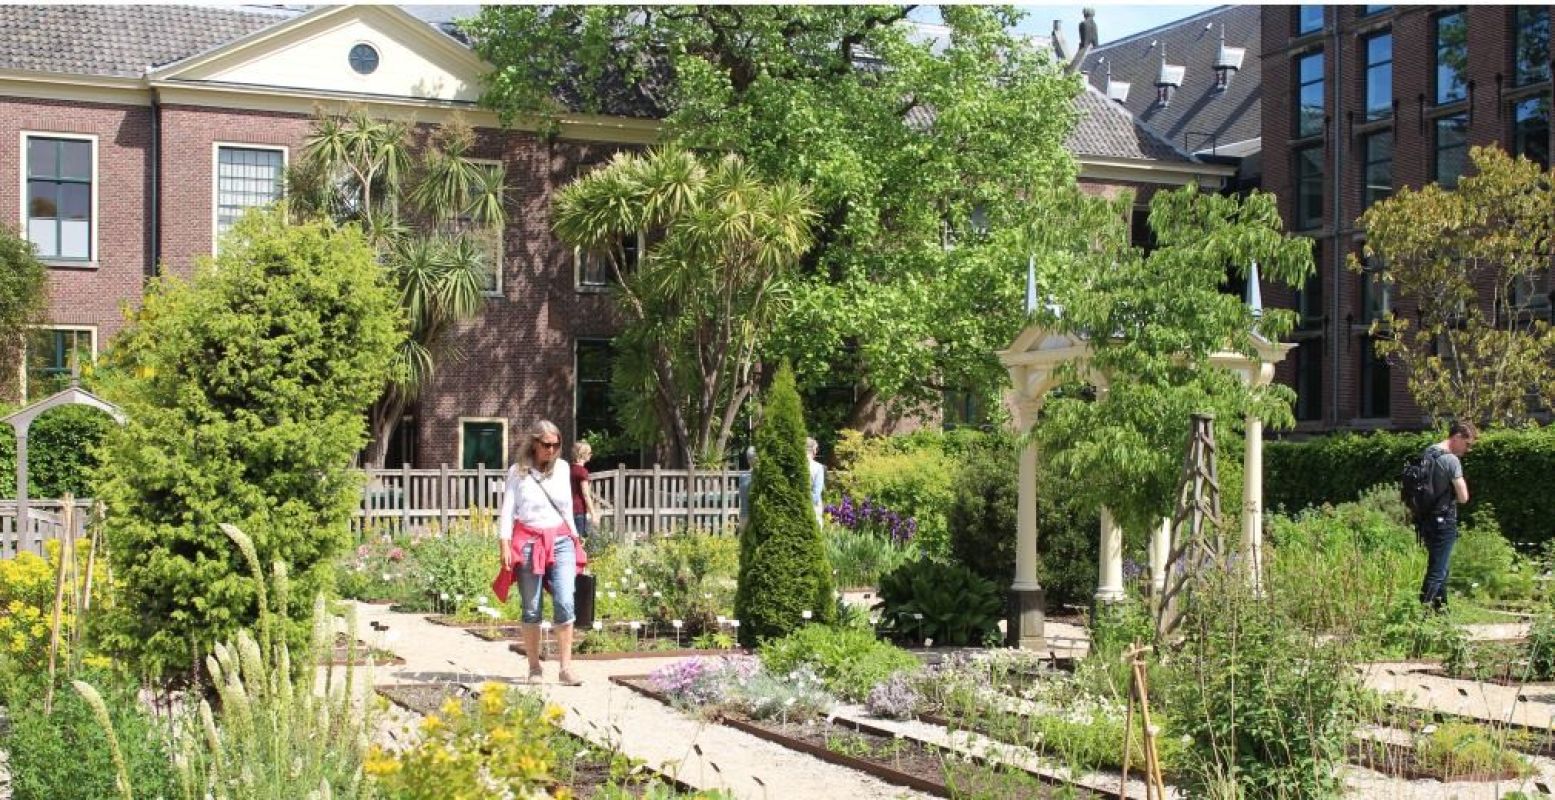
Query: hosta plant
pixel 947 604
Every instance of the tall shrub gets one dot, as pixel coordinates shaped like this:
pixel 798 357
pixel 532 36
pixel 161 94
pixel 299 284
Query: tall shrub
pixel 783 567
pixel 23 293
pixel 1335 469
pixel 61 453
pixel 245 390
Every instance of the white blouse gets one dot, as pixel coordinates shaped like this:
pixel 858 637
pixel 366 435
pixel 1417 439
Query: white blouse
pixel 524 501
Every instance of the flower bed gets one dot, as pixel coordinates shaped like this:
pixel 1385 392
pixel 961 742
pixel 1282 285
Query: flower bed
pixel 898 760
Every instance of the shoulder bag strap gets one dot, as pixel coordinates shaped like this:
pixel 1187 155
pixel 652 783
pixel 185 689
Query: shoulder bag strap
pixel 548 496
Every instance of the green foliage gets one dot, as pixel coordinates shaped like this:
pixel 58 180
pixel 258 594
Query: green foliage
pixel 1448 250
pixel 66 754
pixel 1338 468
pixel 881 303
pixel 61 453
pixel 1339 568
pixel 860 558
pixel 947 603
pixel 245 390
pixel 1484 564
pixel 912 477
pixel 982 515
pixel 1168 315
pixel 1268 708
pixel 690 576
pixel 1456 750
pixel 783 569
pixel 23 295
pixel 850 661
pixel 453 570
pixel 720 243
pixel 1541 648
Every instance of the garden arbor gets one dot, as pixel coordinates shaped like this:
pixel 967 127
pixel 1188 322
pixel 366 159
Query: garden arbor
pixel 22 420
pixel 1035 360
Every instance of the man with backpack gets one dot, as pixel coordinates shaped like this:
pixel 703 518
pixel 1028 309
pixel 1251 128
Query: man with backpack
pixel 1433 488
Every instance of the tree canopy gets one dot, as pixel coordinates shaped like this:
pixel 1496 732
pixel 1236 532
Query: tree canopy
pixel 917 147
pixel 720 245
pixel 1154 319
pixel 23 292
pixel 1474 263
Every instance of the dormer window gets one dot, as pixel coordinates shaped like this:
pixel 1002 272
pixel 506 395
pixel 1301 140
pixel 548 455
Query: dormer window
pixel 1168 80
pixel 1227 61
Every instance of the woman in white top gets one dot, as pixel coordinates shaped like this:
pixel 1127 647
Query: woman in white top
pixel 540 542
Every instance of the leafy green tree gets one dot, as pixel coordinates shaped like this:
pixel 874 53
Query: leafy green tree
pixel 783 567
pixel 1166 313
pixel 1470 261
pixel 245 390
pixel 916 150
pixel 713 280
pixel 434 216
pixel 23 292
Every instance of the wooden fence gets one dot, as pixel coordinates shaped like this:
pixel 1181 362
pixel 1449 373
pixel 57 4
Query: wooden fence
pixel 45 521
pixel 632 502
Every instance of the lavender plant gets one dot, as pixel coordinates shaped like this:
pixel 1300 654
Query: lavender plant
pixel 894 698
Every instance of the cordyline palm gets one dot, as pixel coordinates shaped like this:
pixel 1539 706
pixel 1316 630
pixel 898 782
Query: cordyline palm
pixel 720 244
pixel 427 209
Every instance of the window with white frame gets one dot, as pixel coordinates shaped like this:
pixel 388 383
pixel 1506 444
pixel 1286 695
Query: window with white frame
pixel 54 354
pixel 60 175
pixel 593 267
pixel 246 177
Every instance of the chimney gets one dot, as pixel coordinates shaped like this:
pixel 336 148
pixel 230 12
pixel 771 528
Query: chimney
pixel 1060 47
pixel 1116 90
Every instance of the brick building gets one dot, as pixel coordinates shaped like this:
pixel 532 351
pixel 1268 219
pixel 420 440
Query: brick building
pixel 135 134
pixel 1361 100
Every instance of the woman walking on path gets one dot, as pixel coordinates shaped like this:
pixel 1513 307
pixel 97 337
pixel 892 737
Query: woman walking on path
pixel 540 542
pixel 582 505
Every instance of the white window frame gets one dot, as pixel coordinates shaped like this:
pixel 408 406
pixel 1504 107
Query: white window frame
pixel 53 261
pixel 459 451
pixel 89 329
pixel 502 230
pixel 577 266
pixel 286 162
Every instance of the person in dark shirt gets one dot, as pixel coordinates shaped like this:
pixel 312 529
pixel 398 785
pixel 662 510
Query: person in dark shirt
pixel 1438 528
pixel 582 503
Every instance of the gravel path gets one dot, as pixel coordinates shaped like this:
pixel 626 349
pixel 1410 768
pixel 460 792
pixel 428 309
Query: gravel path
pixel 609 714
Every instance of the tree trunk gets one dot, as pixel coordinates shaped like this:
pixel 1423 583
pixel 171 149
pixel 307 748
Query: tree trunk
pixel 383 418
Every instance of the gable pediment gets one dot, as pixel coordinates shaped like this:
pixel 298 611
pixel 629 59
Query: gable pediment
pixel 313 53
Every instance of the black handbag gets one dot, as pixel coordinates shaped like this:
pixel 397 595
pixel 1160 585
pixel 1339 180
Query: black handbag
pixel 583 601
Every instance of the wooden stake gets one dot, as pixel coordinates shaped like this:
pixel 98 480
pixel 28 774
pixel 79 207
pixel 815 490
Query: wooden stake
pixel 66 557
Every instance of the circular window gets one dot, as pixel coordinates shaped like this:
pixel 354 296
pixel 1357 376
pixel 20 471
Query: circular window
pixel 364 59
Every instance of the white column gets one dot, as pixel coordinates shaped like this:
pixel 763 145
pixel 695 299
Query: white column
pixel 1026 522
pixel 1160 551
pixel 1252 502
pixel 1109 559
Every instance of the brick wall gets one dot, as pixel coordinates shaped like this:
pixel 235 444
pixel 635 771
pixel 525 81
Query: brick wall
pixel 92 295
pixel 1490 42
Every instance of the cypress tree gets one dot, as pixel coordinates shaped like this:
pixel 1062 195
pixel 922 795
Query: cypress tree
pixel 783 566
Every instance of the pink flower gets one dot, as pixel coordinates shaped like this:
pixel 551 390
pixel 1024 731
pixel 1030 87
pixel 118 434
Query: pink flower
pixel 396 554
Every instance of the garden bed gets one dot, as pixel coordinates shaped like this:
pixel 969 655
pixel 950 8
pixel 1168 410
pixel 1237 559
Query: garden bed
pixel 1403 762
pixel 895 759
pixel 341 654
pixel 590 774
pixel 548 649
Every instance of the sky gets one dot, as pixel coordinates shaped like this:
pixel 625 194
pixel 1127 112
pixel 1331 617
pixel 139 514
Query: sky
pixel 1113 22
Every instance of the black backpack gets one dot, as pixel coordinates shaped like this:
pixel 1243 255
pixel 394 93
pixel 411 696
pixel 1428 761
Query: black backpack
pixel 1415 485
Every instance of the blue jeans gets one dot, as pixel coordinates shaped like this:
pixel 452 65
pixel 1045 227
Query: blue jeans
pixel 581 522
pixel 1438 534
pixel 561 574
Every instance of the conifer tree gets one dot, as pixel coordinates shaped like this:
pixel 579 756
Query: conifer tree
pixel 783 566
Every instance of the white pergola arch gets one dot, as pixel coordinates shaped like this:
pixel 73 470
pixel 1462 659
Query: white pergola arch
pixel 22 420
pixel 1034 361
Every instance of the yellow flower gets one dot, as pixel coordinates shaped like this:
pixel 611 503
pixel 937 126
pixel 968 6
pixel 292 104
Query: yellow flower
pixel 380 764
pixel 500 735
pixel 452 709
pixel 431 725
pixel 553 714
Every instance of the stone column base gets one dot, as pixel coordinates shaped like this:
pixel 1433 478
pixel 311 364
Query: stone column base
pixel 1026 615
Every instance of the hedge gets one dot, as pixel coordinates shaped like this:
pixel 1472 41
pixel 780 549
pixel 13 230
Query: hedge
pixel 61 453
pixel 1508 471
